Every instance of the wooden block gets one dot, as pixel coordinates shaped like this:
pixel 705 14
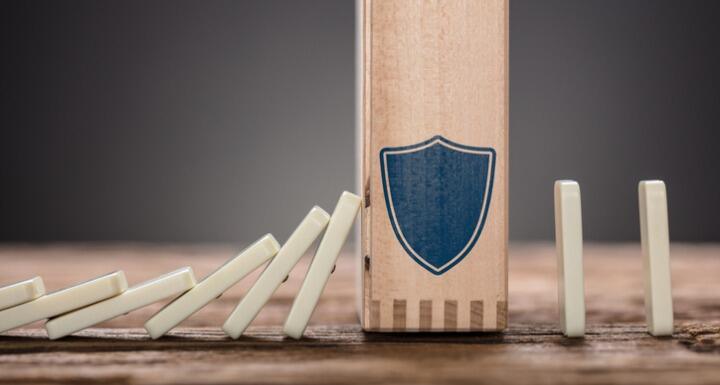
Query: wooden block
pixel 433 135
pixel 212 286
pixel 168 285
pixel 21 292
pixel 300 240
pixel 63 301
pixel 569 249
pixel 322 264
pixel 655 239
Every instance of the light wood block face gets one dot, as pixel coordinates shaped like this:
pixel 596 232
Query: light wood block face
pixel 144 294
pixel 569 248
pixel 655 238
pixel 322 264
pixel 300 240
pixel 63 301
pixel 21 292
pixel 433 127
pixel 230 273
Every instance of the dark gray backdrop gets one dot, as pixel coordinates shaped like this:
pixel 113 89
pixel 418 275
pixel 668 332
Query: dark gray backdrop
pixel 222 120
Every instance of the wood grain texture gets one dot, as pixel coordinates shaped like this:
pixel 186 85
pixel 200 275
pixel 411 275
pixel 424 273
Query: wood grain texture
pixel 399 314
pixel 617 348
pixel 433 68
pixel 476 314
pixel 425 315
pixel 451 310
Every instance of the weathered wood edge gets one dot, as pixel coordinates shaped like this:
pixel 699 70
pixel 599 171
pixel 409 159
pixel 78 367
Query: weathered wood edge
pixel 697 337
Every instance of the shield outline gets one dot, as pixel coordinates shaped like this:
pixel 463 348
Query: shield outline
pixel 437 139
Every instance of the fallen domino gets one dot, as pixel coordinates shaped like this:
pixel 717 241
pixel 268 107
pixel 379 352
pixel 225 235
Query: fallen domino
pixel 655 240
pixel 212 286
pixel 63 301
pixel 322 264
pixel 569 248
pixel 276 272
pixel 144 294
pixel 21 292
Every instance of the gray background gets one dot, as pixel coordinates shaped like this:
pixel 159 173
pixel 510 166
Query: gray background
pixel 208 121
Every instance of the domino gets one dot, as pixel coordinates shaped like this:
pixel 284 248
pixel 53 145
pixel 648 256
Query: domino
pixel 63 301
pixel 300 240
pixel 338 228
pixel 569 245
pixel 144 294
pixel 21 292
pixel 212 286
pixel 655 240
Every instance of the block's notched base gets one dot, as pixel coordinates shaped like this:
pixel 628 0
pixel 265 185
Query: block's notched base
pixel 448 313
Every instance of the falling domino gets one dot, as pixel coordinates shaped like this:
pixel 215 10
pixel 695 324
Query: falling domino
pixel 300 240
pixel 322 265
pixel 21 292
pixel 212 286
pixel 569 244
pixel 63 301
pixel 655 241
pixel 144 294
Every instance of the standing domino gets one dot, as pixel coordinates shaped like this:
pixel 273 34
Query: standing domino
pixel 212 286
pixel 63 301
pixel 655 239
pixel 144 294
pixel 300 240
pixel 317 276
pixel 569 245
pixel 21 292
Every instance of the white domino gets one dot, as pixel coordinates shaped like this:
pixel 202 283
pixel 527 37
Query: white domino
pixel 144 294
pixel 655 239
pixel 569 248
pixel 338 228
pixel 63 301
pixel 289 254
pixel 21 292
pixel 212 286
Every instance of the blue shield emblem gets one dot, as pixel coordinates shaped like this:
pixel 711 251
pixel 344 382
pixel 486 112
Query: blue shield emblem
pixel 437 195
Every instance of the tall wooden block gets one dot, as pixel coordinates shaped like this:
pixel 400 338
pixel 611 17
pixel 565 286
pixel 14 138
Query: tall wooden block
pixel 433 151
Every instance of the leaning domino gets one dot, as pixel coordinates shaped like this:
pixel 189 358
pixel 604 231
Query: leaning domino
pixel 144 294
pixel 655 241
pixel 322 265
pixel 569 245
pixel 300 240
pixel 21 292
pixel 212 286
pixel 63 301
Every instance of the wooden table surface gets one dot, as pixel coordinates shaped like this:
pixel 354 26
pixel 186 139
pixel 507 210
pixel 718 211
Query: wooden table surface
pixel 615 350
